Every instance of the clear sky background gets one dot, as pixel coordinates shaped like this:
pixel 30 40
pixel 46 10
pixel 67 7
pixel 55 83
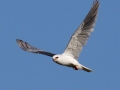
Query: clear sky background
pixel 49 24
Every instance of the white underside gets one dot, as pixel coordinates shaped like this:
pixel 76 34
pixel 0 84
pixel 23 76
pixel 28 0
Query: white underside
pixel 69 61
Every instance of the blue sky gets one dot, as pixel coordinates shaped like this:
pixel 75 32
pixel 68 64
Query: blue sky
pixel 49 25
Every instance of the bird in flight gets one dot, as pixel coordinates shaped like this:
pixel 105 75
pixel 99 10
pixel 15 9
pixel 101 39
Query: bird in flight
pixel 79 38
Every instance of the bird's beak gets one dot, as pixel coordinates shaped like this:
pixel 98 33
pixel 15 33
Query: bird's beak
pixel 55 59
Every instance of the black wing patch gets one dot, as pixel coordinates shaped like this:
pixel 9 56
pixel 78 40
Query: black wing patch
pixel 27 47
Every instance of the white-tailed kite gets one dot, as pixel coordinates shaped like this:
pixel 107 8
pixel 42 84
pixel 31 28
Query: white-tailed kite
pixel 78 40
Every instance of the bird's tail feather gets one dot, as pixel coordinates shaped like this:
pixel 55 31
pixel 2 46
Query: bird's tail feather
pixel 86 69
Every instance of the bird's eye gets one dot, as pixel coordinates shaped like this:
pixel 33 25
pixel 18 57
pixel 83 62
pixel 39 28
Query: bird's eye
pixel 56 57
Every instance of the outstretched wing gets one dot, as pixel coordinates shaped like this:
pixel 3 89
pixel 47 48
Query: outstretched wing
pixel 81 35
pixel 27 47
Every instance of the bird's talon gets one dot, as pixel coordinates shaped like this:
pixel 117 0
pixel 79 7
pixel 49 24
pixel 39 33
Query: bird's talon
pixel 75 67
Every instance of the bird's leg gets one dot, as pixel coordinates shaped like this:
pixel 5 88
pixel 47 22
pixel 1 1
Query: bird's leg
pixel 75 67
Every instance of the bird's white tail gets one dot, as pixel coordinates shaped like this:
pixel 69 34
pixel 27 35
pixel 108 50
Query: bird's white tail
pixel 86 69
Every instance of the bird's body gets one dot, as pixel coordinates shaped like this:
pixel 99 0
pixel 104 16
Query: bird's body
pixel 68 60
pixel 79 38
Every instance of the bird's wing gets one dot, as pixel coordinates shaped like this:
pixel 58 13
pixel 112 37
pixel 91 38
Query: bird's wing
pixel 25 46
pixel 81 35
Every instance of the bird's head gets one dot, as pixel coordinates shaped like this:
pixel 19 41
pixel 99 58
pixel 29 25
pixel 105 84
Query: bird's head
pixel 56 58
